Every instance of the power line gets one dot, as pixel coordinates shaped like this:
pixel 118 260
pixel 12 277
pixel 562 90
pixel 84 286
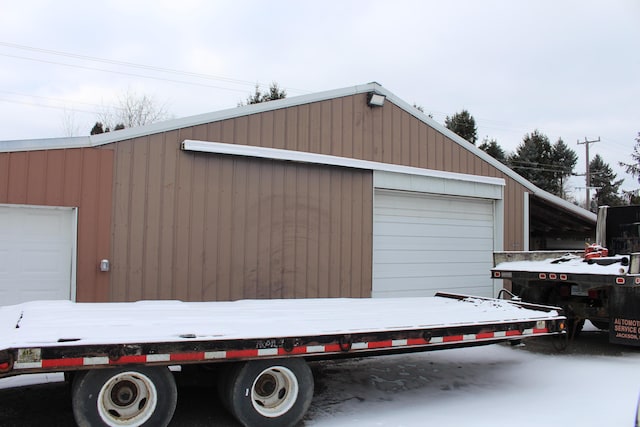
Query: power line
pixel 587 173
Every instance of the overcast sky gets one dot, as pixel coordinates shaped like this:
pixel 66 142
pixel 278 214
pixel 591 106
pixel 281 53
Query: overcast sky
pixel 570 69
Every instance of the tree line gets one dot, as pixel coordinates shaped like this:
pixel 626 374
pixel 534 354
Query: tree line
pixel 549 165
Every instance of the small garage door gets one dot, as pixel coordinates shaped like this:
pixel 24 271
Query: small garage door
pixel 427 243
pixel 36 253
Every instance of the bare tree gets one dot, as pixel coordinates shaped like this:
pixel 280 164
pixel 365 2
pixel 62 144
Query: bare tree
pixel 70 125
pixel 133 110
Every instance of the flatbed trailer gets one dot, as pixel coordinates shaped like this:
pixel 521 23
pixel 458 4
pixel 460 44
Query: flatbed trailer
pixel 117 355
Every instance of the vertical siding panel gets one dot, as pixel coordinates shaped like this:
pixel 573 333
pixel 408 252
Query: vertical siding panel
pixel 254 129
pixel 431 148
pixel 359 117
pixel 104 195
pixel 336 233
pixel 241 130
pixel 414 137
pixel 266 133
pixel 54 178
pixel 152 229
pixel 373 137
pixel 313 233
pixel 301 225
pixel 387 136
pixel 169 155
pixel 423 152
pixel 277 245
pixel 314 127
pixel 251 238
pixel 183 217
pixel 227 219
pixel 337 124
pixel 265 223
pixel 396 137
pixel 405 138
pixel 346 235
pixel 291 129
pixel 238 227
pixel 279 128
pixel 137 218
pixel 324 231
pixel 348 125
pixel 289 232
pixel 211 229
pixel 302 129
pixel 326 127
pixel 197 227
pixel 448 154
pixel 18 173
pixel 120 249
pixel 4 177
pixel 36 173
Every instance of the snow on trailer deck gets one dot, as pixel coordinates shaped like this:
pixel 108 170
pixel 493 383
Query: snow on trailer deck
pixel 49 323
pixel 567 264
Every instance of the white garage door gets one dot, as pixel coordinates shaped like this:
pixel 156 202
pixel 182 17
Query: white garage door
pixel 428 243
pixel 37 250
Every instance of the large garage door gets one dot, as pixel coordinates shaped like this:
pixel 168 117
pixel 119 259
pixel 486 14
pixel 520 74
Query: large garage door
pixel 36 253
pixel 427 243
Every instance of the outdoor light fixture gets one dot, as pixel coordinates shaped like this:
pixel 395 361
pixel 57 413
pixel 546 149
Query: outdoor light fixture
pixel 375 99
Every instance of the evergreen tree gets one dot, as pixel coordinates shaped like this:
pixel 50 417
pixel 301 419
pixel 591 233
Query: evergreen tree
pixel 492 148
pixel 564 159
pixel 634 167
pixel 604 180
pixel 258 96
pixel 463 124
pixel 532 160
pixel 98 128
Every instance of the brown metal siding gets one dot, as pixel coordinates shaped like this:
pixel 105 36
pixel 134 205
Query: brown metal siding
pixel 79 178
pixel 195 226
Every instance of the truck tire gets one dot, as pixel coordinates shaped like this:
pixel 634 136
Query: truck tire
pixel 600 324
pixel 270 392
pixel 124 396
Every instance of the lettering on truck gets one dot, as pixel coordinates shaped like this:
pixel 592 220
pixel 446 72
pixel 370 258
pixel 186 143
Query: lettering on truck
pixel 626 328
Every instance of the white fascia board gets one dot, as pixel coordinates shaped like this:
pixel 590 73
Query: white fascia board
pixel 44 144
pixel 324 159
pixel 434 184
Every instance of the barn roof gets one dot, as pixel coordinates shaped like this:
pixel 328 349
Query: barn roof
pixel 174 124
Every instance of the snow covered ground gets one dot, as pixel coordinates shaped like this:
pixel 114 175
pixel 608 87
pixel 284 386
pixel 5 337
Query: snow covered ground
pixel 526 386
pixel 592 384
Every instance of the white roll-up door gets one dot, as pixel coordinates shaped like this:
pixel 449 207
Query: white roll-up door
pixel 424 243
pixel 37 250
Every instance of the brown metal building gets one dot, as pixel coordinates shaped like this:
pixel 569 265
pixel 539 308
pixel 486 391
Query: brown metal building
pixel 322 195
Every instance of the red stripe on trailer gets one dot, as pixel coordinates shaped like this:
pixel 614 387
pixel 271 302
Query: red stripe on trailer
pixel 513 333
pixel 63 363
pixel 332 347
pixel 182 357
pixel 129 359
pixel 416 341
pixel 485 335
pixel 294 350
pixel 453 338
pixel 380 344
pixel 236 354
pixel 540 331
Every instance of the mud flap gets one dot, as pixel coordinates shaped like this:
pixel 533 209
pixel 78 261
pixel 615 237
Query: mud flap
pixel 624 311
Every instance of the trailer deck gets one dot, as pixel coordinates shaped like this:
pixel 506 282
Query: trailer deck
pixel 49 335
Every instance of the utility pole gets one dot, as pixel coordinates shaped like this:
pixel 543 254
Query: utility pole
pixel 587 173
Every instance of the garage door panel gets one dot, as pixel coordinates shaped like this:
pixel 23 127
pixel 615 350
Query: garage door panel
pixel 442 229
pixel 425 243
pixel 431 269
pixel 36 253
pixel 394 257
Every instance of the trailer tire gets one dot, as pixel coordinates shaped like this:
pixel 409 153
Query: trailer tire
pixel 270 392
pixel 124 396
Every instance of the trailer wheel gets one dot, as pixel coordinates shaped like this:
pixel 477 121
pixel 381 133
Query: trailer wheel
pixel 270 392
pixel 138 396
